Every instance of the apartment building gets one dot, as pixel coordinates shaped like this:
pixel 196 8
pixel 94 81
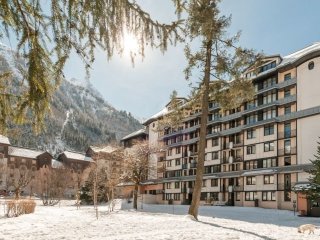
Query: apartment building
pixel 256 153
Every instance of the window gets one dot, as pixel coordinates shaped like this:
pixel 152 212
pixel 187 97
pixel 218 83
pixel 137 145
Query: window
pixel 214 182
pixel 251 181
pixel 177 161
pixel 215 155
pixel 169 196
pixel 287 161
pixel 269 196
pixel 268 179
pixel 287 76
pixel 168 185
pixel 176 196
pixel 177 185
pixel 269 162
pixel 287 146
pixel 268 130
pixel 287 92
pixel 178 150
pixel 250 196
pixel 238 196
pixel 169 163
pixel 214 196
pixel 269 146
pixel 251 165
pixel 204 183
pixel 251 133
pixel 287 130
pixel 215 142
pixel 251 149
pixel 169 153
pixel 311 65
pixel 287 109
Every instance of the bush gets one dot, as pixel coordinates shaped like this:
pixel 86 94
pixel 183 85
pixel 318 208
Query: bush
pixel 16 208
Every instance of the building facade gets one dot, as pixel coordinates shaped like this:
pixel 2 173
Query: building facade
pixel 256 153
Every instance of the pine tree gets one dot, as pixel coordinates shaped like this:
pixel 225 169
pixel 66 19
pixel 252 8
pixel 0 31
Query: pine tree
pixel 313 191
pixel 47 33
pixel 222 63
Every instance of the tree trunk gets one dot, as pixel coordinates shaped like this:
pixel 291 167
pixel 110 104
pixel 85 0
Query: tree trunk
pixel 135 196
pixel 17 193
pixel 193 210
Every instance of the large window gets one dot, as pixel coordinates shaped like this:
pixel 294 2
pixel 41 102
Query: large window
pixel 178 150
pixel 251 180
pixel 287 109
pixel 268 179
pixel 269 146
pixel 269 196
pixel 269 162
pixel 269 130
pixel 178 162
pixel 177 185
pixel 251 149
pixel 251 133
pixel 251 164
pixel 251 196
pixel 215 155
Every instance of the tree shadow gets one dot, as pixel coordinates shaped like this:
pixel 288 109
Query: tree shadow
pixel 238 230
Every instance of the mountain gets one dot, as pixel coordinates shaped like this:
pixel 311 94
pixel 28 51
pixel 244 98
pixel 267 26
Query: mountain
pixel 80 116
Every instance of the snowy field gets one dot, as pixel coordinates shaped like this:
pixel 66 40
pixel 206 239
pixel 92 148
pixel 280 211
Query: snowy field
pixel 155 222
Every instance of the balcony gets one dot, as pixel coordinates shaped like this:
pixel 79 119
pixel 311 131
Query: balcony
pixel 285 186
pixel 193 165
pixel 287 151
pixel 185 166
pixel 287 134
pixel 238 159
pixel 238 188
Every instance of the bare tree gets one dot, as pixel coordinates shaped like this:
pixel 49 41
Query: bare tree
pixel 19 178
pixel 136 165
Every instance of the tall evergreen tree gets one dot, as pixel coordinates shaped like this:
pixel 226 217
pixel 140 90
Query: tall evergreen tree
pixel 47 32
pixel 222 63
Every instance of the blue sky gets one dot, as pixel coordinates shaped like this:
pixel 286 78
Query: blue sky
pixel 272 26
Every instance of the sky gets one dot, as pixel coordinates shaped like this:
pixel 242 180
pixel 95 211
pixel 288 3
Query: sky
pixel 272 26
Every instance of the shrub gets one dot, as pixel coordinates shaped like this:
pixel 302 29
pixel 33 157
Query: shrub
pixel 16 208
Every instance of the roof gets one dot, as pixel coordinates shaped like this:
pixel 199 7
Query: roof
pixel 4 140
pixel 24 152
pixel 105 149
pixel 76 156
pixel 163 112
pixel 291 58
pixel 135 134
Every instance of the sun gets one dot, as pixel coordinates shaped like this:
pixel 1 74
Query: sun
pixel 130 44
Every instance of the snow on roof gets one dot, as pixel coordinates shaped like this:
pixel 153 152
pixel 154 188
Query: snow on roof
pixel 4 140
pixel 106 149
pixel 163 112
pixel 299 54
pixel 76 156
pixel 134 134
pixel 24 152
pixel 257 172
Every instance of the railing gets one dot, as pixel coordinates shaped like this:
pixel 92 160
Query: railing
pixel 185 166
pixel 285 186
pixel 238 188
pixel 193 165
pixel 287 151
pixel 287 134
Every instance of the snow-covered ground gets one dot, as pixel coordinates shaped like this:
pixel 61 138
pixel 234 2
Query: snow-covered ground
pixel 155 222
